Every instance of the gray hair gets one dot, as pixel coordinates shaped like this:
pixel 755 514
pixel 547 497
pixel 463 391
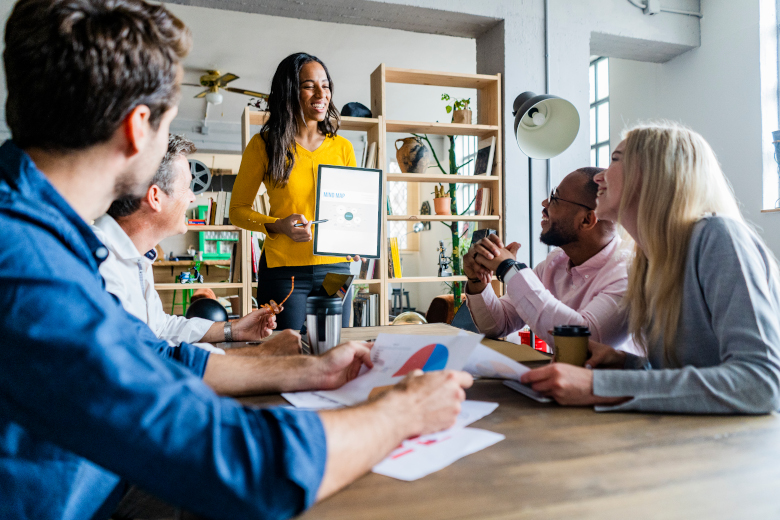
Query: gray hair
pixel 163 178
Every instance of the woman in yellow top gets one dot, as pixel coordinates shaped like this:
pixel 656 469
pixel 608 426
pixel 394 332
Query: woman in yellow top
pixel 300 134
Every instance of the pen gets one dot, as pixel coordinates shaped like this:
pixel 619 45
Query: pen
pixel 312 222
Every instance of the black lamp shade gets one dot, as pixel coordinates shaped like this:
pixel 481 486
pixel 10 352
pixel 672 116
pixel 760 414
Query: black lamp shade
pixel 547 138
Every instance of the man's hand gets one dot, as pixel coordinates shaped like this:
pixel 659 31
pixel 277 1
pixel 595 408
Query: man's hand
pixel 256 325
pixel 430 401
pixel 604 356
pixel 285 343
pixel 490 252
pixel 341 364
pixel 474 271
pixel 567 384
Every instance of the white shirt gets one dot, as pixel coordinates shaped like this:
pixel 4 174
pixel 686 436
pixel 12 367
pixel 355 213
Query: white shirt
pixel 129 276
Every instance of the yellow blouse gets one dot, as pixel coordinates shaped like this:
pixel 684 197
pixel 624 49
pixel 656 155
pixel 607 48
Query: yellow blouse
pixel 299 196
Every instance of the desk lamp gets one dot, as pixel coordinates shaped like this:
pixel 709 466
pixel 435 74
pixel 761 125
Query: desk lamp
pixel 545 126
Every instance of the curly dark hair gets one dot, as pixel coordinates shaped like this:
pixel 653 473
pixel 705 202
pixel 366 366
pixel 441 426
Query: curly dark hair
pixel 76 68
pixel 284 107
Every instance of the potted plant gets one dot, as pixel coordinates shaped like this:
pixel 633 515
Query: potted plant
pixel 441 201
pixel 461 113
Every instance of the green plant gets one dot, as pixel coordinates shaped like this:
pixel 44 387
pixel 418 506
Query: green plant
pixel 439 192
pixel 457 246
pixel 457 104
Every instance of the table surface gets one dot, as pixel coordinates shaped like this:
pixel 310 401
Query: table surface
pixel 559 462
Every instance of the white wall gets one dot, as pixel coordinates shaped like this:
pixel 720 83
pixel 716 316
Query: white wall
pixel 717 91
pixel 252 45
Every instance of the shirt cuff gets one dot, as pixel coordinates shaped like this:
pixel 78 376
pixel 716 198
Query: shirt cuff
pixel 192 357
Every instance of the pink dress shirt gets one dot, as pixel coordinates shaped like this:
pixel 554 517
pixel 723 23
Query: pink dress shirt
pixel 557 293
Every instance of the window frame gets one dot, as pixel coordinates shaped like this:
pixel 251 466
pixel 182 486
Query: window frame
pixel 594 148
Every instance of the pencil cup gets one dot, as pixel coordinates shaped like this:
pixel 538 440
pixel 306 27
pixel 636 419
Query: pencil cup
pixel 571 344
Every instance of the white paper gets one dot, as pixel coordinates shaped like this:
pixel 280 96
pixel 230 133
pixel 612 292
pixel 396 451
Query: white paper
pixel 310 400
pixel 349 199
pixel 395 355
pixel 419 457
pixel 486 362
pixel 472 411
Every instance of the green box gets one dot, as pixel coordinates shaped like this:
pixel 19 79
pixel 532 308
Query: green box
pixel 222 240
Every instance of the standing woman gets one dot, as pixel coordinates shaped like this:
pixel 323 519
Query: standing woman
pixel 702 293
pixel 300 134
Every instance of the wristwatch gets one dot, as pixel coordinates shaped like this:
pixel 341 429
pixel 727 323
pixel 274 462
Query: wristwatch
pixel 508 267
pixel 228 329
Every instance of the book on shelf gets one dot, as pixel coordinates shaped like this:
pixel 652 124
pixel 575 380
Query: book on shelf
pixel 365 310
pixel 213 212
pixel 226 214
pixel 256 252
pixel 370 156
pixel 478 202
pixel 363 156
pixel 485 152
pixel 395 257
pixel 485 202
pixel 196 222
pixel 366 268
pixel 207 216
pixel 233 258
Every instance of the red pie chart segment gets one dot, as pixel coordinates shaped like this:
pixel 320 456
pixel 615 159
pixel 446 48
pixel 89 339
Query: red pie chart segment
pixel 428 358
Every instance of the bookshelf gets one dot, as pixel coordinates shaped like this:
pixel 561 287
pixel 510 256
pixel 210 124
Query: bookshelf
pixel 243 288
pixel 489 124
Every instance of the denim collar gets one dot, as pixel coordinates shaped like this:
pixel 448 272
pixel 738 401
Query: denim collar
pixel 28 192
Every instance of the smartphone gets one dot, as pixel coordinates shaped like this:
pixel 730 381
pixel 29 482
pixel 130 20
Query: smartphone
pixel 479 234
pixel 527 391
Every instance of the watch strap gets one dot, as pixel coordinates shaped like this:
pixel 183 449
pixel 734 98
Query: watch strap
pixel 228 329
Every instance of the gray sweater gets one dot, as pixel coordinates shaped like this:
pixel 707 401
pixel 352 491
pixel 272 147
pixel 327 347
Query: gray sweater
pixel 728 340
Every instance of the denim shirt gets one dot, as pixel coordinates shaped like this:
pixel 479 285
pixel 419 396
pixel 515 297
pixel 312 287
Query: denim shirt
pixel 90 399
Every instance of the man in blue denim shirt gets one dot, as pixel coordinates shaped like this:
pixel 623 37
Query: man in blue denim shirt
pixel 89 398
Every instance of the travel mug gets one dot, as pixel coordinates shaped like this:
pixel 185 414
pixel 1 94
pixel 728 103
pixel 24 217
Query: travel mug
pixel 571 344
pixel 323 322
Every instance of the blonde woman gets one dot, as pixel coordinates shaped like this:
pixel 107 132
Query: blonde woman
pixel 702 293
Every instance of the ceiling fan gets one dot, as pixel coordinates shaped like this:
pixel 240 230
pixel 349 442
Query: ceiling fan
pixel 213 80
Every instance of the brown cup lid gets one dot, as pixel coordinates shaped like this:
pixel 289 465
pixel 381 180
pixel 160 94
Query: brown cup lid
pixel 571 331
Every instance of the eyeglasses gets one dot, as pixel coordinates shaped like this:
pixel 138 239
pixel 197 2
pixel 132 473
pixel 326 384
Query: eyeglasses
pixel 554 198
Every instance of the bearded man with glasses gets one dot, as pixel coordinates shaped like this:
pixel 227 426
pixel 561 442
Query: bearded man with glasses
pixel 581 282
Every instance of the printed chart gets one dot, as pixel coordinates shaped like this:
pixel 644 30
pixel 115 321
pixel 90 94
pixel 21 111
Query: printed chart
pixel 431 357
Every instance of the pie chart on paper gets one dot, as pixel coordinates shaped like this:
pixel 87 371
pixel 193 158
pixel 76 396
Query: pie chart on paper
pixel 428 358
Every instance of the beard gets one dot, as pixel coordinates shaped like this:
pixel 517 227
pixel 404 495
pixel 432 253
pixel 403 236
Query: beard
pixel 558 236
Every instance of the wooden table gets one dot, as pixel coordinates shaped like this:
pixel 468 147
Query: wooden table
pixel 564 463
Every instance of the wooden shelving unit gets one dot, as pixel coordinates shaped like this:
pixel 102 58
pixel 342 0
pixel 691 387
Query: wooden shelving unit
pixel 243 287
pixel 488 124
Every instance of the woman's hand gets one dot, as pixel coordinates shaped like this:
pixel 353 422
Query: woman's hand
pixel 287 226
pixel 353 258
pixel 604 356
pixel 567 384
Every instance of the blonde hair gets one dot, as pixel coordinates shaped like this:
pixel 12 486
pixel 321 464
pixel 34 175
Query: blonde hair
pixel 673 176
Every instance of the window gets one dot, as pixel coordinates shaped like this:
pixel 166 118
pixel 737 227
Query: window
pixel 398 195
pixel 599 112
pixel 466 150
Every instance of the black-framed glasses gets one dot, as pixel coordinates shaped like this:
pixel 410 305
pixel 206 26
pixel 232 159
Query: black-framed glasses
pixel 554 198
